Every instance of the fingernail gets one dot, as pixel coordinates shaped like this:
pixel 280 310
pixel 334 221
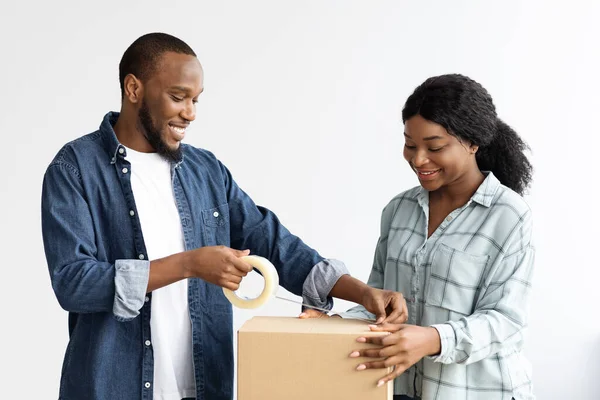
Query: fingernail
pixel 361 340
pixel 380 383
pixel 302 315
pixel 354 354
pixel 372 326
pixel 361 367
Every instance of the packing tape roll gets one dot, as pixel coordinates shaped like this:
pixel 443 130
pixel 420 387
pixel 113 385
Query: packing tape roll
pixel 271 277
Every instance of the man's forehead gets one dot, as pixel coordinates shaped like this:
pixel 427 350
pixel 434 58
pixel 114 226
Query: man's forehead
pixel 171 58
pixel 182 70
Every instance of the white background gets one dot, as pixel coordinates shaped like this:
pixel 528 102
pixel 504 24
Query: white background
pixel 302 102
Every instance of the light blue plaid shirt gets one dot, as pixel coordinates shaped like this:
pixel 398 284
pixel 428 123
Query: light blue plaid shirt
pixel 471 280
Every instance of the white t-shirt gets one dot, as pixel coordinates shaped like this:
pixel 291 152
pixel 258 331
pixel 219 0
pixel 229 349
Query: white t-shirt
pixel 170 324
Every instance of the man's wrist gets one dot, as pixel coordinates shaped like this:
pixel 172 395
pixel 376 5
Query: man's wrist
pixel 183 259
pixel 350 289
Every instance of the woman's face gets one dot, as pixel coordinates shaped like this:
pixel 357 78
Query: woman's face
pixel 438 158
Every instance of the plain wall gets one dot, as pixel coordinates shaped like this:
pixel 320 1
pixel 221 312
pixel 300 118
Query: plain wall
pixel 302 102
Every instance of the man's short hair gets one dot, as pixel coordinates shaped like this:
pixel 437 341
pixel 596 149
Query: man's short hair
pixel 142 56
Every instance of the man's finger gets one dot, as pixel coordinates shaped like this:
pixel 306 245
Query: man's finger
pixel 399 311
pixel 310 313
pixel 379 312
pixel 240 253
pixel 231 286
pixel 242 266
pixel 394 315
pixel 235 279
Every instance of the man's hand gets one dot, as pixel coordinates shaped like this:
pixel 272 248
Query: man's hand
pixel 217 264
pixel 404 346
pixel 387 305
pixel 312 313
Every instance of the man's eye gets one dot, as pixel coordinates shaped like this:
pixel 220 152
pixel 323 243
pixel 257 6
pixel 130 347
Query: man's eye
pixel 176 98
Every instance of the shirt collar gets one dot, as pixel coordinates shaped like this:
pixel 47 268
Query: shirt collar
pixel 487 190
pixel 111 144
pixel 109 137
pixel 484 195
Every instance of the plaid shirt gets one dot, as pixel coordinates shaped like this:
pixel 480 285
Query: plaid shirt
pixel 471 280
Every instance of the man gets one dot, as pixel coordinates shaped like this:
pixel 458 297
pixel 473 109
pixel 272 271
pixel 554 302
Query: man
pixel 141 232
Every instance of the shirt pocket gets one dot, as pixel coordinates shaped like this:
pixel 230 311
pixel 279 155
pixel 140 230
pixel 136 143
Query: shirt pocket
pixel 455 279
pixel 216 225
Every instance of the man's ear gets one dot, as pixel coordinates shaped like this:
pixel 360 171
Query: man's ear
pixel 133 89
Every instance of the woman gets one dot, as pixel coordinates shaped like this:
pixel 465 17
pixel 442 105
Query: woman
pixel 458 247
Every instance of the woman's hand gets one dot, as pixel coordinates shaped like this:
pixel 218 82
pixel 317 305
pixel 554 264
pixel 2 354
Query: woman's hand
pixel 403 347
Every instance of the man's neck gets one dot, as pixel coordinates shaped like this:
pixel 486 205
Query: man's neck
pixel 129 133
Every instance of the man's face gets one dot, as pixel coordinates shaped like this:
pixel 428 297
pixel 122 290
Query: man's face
pixel 169 103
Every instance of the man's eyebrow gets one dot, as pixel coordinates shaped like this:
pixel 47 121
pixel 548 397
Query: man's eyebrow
pixel 183 89
pixel 180 88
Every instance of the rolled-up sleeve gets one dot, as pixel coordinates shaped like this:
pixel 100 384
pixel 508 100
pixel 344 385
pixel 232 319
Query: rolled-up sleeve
pixel 81 282
pixel 131 281
pixel 320 281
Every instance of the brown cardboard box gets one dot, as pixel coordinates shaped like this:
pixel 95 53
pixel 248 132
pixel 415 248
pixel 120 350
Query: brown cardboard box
pixel 285 358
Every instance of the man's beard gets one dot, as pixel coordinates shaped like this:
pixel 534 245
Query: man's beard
pixel 153 136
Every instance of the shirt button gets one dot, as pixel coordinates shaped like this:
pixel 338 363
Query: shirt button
pixel 449 218
pixel 147 343
pixel 124 170
pixel 147 299
pixel 141 256
pixel 131 212
pixel 216 214
pixel 147 385
pixel 121 150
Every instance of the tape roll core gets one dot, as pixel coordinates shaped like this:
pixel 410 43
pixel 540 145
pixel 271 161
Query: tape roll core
pixel 268 272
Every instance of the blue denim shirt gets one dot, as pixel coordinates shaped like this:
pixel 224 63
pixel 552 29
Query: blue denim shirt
pixel 99 268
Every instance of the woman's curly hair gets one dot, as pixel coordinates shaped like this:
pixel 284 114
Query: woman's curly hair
pixel 466 110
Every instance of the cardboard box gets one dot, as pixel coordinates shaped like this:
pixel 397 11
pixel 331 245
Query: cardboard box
pixel 285 358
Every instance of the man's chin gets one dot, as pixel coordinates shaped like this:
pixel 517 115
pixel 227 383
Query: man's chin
pixel 171 153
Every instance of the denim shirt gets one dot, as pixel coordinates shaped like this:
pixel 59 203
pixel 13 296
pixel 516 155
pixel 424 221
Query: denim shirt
pixel 99 269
